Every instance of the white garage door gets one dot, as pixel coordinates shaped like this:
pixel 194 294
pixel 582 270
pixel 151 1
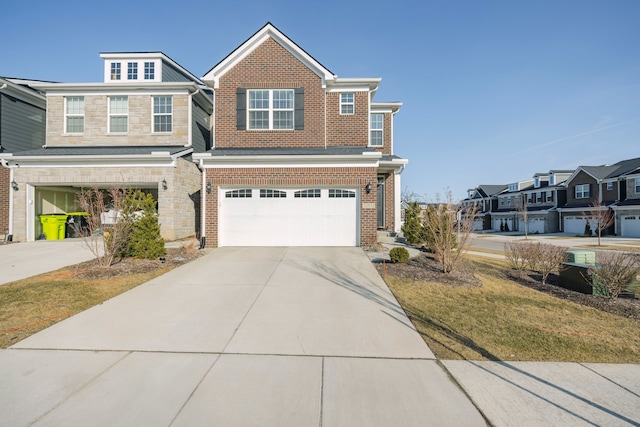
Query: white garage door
pixel 574 224
pixel 630 226
pixel 534 226
pixel 288 217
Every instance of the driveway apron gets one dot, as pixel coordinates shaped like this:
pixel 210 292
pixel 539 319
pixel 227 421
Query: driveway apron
pixel 241 336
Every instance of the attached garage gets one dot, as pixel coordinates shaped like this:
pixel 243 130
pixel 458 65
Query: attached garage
pixel 574 224
pixel 534 225
pixel 288 217
pixel 630 225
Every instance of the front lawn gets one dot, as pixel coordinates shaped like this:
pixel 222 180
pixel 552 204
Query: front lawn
pixel 504 320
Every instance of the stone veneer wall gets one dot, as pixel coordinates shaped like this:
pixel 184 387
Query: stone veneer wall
pixel 96 123
pixel 178 206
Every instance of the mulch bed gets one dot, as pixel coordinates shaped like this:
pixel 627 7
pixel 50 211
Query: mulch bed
pixel 425 268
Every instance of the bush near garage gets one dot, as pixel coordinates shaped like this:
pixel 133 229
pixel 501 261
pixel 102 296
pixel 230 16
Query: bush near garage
pixel 399 255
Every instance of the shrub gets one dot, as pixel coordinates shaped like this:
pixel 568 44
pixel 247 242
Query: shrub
pixel 506 226
pixel 540 257
pixel 145 240
pixel 615 272
pixel 412 229
pixel 587 229
pixel 399 255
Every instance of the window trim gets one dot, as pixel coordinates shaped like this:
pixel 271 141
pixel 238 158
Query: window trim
pixel 582 191
pixel 239 193
pixel 310 193
pixel 347 103
pixel 114 115
pixel 610 186
pixel 149 70
pixel 637 185
pixel 68 115
pixel 154 114
pixel 115 71
pixel 132 70
pixel 270 193
pixel 379 130
pixel 271 109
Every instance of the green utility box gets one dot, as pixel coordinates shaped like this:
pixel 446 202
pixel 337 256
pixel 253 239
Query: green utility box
pixel 581 257
pixel 53 226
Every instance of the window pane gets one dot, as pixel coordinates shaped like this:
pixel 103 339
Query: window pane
pixel 162 105
pixel 118 105
pixel 346 109
pixel 258 120
pixel 149 70
pixel 75 124
pixel 75 105
pixel 283 119
pixel 162 124
pixel 376 137
pixel 283 99
pixel 376 121
pixel 132 71
pixel 346 97
pixel 115 71
pixel 118 124
pixel 258 99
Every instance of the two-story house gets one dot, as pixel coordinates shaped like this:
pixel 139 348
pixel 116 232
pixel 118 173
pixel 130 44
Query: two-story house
pixel 506 213
pixel 22 127
pixel 627 210
pixel 483 199
pixel 300 156
pixel 136 129
pixel 541 202
pixel 603 186
pixel 268 148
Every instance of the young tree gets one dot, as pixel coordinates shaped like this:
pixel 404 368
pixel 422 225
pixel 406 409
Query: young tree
pixel 522 208
pixel 603 217
pixel 413 229
pixel 107 237
pixel 448 235
pixel 614 272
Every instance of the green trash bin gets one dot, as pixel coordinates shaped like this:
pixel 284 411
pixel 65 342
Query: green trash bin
pixel 53 226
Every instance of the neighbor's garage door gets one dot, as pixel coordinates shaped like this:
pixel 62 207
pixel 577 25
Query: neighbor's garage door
pixel 288 217
pixel 574 224
pixel 630 226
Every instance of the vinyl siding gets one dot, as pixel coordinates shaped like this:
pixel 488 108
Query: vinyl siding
pixel 22 125
pixel 200 129
pixel 170 74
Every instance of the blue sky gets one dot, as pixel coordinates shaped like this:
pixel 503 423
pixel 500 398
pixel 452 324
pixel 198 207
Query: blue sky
pixel 493 91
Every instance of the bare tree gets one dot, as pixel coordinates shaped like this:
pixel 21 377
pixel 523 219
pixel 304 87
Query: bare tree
pixel 109 226
pixel 602 215
pixel 551 259
pixel 448 234
pixel 407 196
pixel 614 272
pixel 521 207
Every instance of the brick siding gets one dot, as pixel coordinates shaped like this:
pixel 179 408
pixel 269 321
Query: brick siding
pixel 294 178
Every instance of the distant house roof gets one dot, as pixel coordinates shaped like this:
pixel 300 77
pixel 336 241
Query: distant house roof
pixel 491 189
pixel 620 168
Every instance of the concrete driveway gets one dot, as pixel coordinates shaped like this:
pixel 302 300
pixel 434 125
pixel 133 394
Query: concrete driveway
pixel 242 336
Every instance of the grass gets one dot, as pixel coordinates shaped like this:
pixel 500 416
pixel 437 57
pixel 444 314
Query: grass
pixel 486 251
pixel 31 305
pixel 502 320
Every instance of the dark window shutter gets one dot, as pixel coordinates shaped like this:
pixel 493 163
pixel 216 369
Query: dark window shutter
pixel 299 112
pixel 241 108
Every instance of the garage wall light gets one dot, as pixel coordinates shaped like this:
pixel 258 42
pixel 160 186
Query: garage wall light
pixel 208 187
pixel 164 184
pixel 368 188
pixel 14 185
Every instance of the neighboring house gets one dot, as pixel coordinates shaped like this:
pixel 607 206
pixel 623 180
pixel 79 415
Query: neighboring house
pixel 268 148
pixel 300 156
pixel 484 201
pixel 506 213
pixel 605 185
pixel 22 127
pixel 627 211
pixel 542 202
pixel 135 129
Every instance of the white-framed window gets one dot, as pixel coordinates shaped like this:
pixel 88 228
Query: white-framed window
pixel 162 113
pixel 339 193
pixel 115 71
pixel 549 196
pixel 609 186
pixel 132 71
pixel 243 193
pixel 74 114
pixel 509 201
pixel 536 182
pixel 582 191
pixel 271 109
pixel 311 193
pixel 347 103
pixel 118 114
pixel 266 193
pixel 149 70
pixel 377 129
pixel 637 185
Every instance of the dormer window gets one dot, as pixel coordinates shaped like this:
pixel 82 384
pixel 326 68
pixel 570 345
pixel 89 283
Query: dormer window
pixel 115 70
pixel 537 182
pixel 132 71
pixel 149 71
pixel 552 179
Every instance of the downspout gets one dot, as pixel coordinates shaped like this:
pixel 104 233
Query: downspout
pixel 11 191
pixel 190 109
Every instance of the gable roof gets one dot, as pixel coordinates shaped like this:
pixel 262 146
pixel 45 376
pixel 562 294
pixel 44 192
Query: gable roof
pixel 253 42
pixel 615 170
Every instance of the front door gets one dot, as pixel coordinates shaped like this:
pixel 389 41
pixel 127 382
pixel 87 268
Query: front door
pixel 380 190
